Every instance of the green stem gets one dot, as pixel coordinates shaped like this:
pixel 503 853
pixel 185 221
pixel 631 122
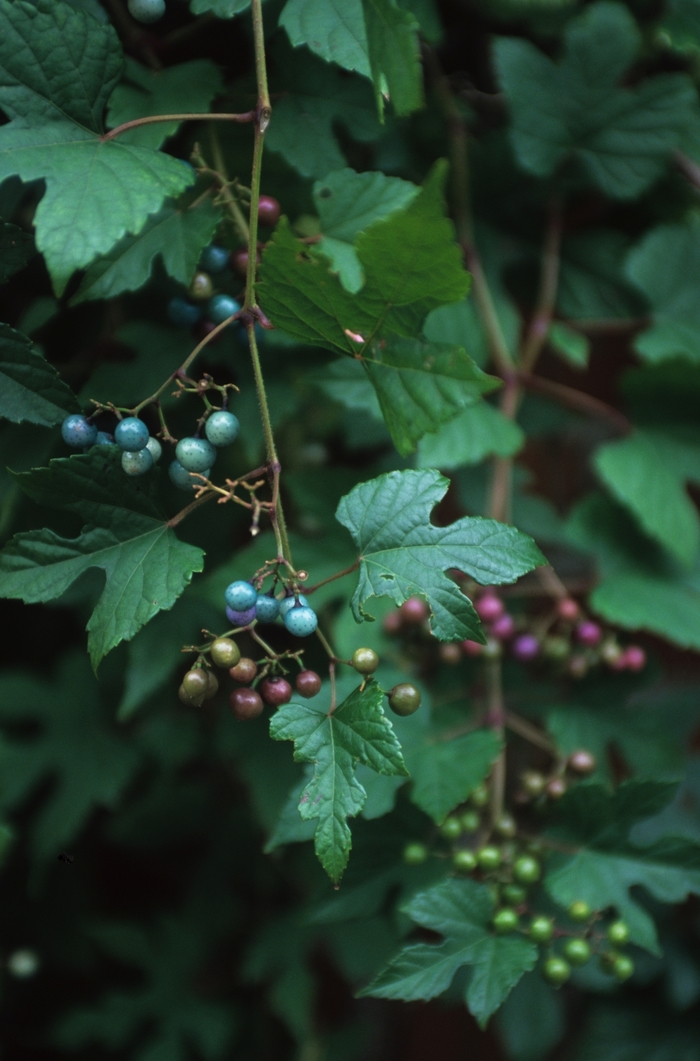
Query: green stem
pixel 237 217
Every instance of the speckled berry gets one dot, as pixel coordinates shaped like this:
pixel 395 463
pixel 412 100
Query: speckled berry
pixel 301 621
pixel 289 602
pixel 267 608
pixel 240 618
pixel 182 479
pixel 154 448
pixel 146 10
pixel 78 432
pixel 137 463
pixel 240 595
pixel 104 439
pixel 195 454
pixel 131 434
pixel 222 428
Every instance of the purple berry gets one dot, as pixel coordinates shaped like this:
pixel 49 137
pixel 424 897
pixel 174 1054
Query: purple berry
pixel 503 628
pixel 588 633
pixel 489 607
pixel 526 647
pixel 240 618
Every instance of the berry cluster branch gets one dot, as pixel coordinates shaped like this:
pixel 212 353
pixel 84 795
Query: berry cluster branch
pixel 247 116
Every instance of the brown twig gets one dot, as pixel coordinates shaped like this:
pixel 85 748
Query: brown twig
pixel 247 116
pixel 578 400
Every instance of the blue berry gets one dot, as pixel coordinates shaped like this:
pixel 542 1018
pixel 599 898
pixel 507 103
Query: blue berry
pixel 78 432
pixel 182 479
pixel 104 439
pixel 137 463
pixel 195 454
pixel 241 618
pixel 288 602
pixel 146 10
pixel 301 621
pixel 241 595
pixel 221 307
pixel 267 607
pixel 154 448
pixel 183 313
pixel 222 428
pixel 131 434
pixel 214 259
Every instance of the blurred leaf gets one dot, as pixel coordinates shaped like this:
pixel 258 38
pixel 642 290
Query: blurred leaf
pixel 30 388
pixel 626 1033
pixel 445 772
pixel 571 345
pixel 592 282
pixel 16 249
pixel 665 266
pixel 478 432
pixel 532 1019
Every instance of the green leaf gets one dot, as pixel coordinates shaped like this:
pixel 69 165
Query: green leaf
pixel 58 67
pixel 420 385
pixel 532 1019
pixel 30 388
pixel 680 27
pixel 146 567
pixel 478 432
pixel 461 911
pixel 357 731
pixel 647 473
pixel 333 30
pixel 346 382
pixel 402 553
pixel 156 351
pixel 624 1032
pixel 71 741
pixel 623 137
pixel 187 88
pixel 666 267
pixel 411 264
pixel 347 203
pixel 177 234
pixel 321 96
pixel 16 249
pixel 571 345
pixel 394 55
pixel 220 8
pixel 592 282
pixel 606 864
pixel 445 772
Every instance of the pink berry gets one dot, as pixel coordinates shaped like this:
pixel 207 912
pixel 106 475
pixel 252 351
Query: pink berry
pixel 392 622
pixel 526 647
pixel 489 607
pixel 568 609
pixel 472 648
pixel 414 611
pixel 635 657
pixel 503 628
pixel 588 633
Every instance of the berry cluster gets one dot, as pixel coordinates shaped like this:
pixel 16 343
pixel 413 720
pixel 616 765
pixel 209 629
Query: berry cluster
pixel 511 868
pixel 244 604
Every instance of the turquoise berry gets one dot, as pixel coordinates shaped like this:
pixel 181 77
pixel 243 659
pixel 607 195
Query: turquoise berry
pixel 290 601
pixel 222 428
pixel 154 448
pixel 182 479
pixel 241 595
pixel 183 312
pixel 221 307
pixel 267 608
pixel 214 259
pixel 195 454
pixel 104 439
pixel 131 434
pixel 137 463
pixel 301 621
pixel 146 10
pixel 78 432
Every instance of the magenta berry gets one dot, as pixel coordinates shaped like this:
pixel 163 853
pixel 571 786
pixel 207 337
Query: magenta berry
pixel 526 647
pixel 568 609
pixel 634 657
pixel 471 648
pixel 589 633
pixel 503 628
pixel 489 607
pixel 414 611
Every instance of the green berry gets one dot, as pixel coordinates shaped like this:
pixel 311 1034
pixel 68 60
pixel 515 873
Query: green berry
pixel 577 951
pixel 201 287
pixel 489 857
pixel 414 854
pixel 579 911
pixel 556 970
pixel 404 699
pixel 505 920
pixel 225 652
pixel 527 870
pixel 470 821
pixel 480 796
pixel 505 826
pixel 541 929
pixel 622 968
pixel 365 660
pixel 195 683
pixel 464 860
pixel 619 933
pixel 513 894
pixel 451 829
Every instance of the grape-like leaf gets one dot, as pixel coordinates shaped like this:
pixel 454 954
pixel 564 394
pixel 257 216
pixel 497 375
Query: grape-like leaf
pixel 187 88
pixel 402 553
pixel 445 772
pixel 623 137
pixel 333 29
pixel 177 234
pixel 477 432
pixel 461 911
pixel 58 67
pixel 606 864
pixel 145 565
pixel 30 388
pixel 335 741
pixel 16 249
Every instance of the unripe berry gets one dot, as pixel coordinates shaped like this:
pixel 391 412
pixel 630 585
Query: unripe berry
pixel 582 762
pixel 505 920
pixel 392 623
pixel 276 691
pixel 451 828
pixel 244 671
pixel 489 607
pixel 568 609
pixel 472 648
pixel 622 968
pixel 450 653
pixel 184 696
pixel 245 704
pixel 527 870
pixel 556 971
pixel 415 854
pixel 526 647
pixel 225 652
pixel 480 796
pixel 183 313
pixel 212 685
pixel 470 821
pixel 137 463
pixel 414 611
pixel 513 894
pixel 201 287
pixel 578 666
pixel 619 933
pixel 556 788
pixel 577 951
pixel 365 660
pixel 404 699
pixel 579 911
pixel 503 628
pixel 505 826
pixel 541 929
pixel 489 857
pixel 635 657
pixel 78 432
pixel 533 783
pixel 195 683
pixel 556 648
pixel 464 860
pixel 214 259
pixel 268 210
pixel 589 633
pixel 308 684
pixel 611 653
pixel 492 649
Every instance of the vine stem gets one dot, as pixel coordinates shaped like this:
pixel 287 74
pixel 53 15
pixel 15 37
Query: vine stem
pixel 247 116
pixel 332 578
pixel 237 217
pixel 496 717
pixel 184 512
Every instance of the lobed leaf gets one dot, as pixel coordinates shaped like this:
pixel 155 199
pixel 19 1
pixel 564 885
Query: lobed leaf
pixel 30 388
